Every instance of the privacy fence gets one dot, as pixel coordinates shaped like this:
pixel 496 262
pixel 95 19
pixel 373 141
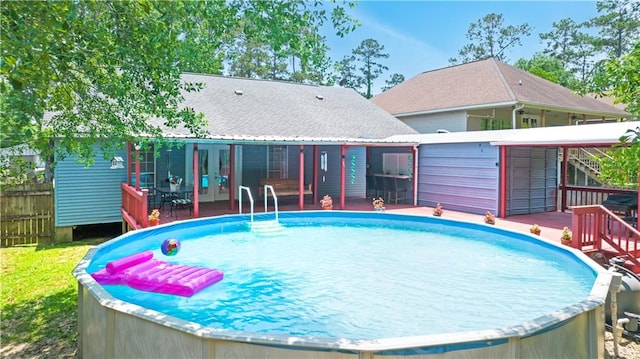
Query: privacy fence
pixel 26 214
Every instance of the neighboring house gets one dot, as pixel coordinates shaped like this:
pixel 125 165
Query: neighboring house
pixel 324 137
pixel 489 95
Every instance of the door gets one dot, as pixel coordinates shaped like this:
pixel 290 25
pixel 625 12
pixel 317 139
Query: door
pixel 214 172
pixel 220 172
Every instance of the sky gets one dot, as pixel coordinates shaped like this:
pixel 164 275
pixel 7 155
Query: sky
pixel 422 36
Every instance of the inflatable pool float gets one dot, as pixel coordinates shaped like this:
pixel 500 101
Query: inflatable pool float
pixel 140 271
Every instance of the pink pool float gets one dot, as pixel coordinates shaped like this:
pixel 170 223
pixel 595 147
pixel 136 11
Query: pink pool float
pixel 140 271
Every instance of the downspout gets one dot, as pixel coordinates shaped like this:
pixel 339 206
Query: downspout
pixel 513 115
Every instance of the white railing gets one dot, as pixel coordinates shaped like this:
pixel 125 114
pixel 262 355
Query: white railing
pixel 275 199
pixel 240 188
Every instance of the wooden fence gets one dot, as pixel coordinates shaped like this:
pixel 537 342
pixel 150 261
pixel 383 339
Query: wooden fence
pixel 27 215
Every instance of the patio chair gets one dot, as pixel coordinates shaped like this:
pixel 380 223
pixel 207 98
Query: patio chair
pixel 181 204
pixel 398 190
pixel 372 189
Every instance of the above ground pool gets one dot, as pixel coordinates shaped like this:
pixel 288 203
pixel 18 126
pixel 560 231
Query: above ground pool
pixel 347 283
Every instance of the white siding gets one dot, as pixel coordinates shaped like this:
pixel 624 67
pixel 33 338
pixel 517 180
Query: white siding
pixel 430 123
pixel 88 195
pixel 462 177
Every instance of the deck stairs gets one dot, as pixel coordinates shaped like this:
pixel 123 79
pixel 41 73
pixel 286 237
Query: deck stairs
pixel 584 160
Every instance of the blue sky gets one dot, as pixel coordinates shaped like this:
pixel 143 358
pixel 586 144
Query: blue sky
pixel 422 35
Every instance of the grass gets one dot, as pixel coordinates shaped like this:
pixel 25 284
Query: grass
pixel 38 299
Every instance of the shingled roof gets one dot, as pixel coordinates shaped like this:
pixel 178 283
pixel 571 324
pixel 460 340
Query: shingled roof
pixel 248 108
pixel 482 83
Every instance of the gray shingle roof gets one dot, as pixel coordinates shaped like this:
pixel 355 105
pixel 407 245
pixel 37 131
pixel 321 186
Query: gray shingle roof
pixel 480 83
pixel 286 110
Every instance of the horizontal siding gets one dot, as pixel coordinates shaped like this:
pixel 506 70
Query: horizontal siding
pixel 88 195
pixel 462 177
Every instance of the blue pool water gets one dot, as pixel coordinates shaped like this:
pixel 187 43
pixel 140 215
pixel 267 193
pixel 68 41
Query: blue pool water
pixel 360 275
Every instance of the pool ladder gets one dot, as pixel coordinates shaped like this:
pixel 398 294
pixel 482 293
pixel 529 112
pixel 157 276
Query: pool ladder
pixel 267 227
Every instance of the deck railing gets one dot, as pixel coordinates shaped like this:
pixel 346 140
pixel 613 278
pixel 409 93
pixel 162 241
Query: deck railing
pixel 596 228
pixel 134 206
pixel 587 196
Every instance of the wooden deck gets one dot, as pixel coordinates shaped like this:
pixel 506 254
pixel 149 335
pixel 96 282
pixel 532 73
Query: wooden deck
pixel 551 223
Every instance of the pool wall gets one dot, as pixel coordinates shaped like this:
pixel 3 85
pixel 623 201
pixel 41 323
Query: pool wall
pixel 111 328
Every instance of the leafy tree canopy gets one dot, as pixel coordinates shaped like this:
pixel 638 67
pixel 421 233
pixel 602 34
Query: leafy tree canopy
pixel 394 80
pixel 549 68
pixel 489 38
pixel 98 72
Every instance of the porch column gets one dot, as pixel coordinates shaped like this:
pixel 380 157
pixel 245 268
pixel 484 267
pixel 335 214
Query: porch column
pixel 563 180
pixel 543 118
pixel 301 179
pixel 137 148
pixel 196 204
pixel 414 174
pixel 502 196
pixel 343 154
pixel 129 163
pixel 232 177
pixel 316 158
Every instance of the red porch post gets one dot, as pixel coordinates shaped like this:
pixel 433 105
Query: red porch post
pixel 196 204
pixel 301 179
pixel 232 177
pixel 343 154
pixel 137 147
pixel 563 179
pixel 129 163
pixel 414 174
pixel 502 196
pixel 316 159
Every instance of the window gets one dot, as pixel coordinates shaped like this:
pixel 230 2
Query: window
pixel 277 162
pixel 147 168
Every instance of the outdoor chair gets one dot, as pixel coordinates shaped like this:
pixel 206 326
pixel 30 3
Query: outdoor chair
pixel 372 189
pixel 398 190
pixel 181 204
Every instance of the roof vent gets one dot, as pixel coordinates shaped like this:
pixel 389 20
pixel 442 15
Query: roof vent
pixel 238 92
pixel 520 82
pixel 320 97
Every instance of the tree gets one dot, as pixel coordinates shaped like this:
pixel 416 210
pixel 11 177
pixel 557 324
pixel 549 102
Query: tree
pixel 620 78
pixel 619 168
pixel 549 68
pixel 394 80
pixel 489 38
pixel 368 53
pixel 106 72
pixel 574 48
pixel 346 70
pixel 619 25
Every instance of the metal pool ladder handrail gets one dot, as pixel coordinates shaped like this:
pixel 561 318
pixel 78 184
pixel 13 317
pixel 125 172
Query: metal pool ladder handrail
pixel 240 188
pixel 275 199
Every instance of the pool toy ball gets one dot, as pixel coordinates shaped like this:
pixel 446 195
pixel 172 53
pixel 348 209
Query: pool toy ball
pixel 170 247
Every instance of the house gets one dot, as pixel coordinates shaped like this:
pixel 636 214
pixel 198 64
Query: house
pixel 324 139
pixel 489 95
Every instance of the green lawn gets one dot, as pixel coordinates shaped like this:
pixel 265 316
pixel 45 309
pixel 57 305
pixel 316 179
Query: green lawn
pixel 39 299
